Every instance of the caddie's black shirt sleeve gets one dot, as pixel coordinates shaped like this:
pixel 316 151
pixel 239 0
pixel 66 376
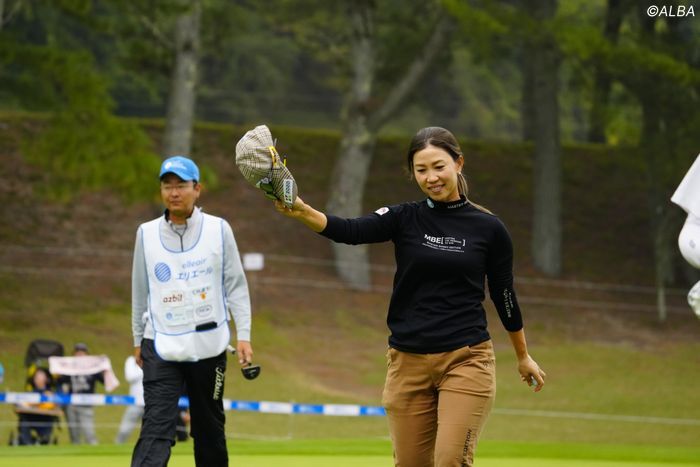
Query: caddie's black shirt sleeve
pixel 499 272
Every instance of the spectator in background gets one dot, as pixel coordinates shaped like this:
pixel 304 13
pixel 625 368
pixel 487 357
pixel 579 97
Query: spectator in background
pixel 132 417
pixel 37 418
pixel 182 422
pixel 81 418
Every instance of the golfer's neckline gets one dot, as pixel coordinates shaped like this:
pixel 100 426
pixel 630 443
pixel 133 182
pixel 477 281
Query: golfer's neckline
pixel 462 201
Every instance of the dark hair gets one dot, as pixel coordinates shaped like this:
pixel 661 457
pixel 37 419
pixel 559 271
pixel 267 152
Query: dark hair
pixel 445 140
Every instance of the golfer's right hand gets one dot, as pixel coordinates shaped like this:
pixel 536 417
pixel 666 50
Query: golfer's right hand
pixel 531 373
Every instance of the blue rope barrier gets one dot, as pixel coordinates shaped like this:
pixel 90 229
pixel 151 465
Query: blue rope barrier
pixel 343 410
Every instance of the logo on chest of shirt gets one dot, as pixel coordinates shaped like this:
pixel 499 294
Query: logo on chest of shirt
pixel 162 272
pixel 174 298
pixel 194 263
pixel 201 292
pixel 444 243
pixel 193 269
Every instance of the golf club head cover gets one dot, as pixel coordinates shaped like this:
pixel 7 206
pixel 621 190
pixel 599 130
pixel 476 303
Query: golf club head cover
pixel 251 371
pixel 260 163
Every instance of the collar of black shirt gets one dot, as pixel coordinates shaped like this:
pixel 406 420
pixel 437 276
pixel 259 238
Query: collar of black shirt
pixel 440 206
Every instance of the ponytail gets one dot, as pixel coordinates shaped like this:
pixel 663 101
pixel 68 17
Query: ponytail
pixel 462 185
pixel 464 191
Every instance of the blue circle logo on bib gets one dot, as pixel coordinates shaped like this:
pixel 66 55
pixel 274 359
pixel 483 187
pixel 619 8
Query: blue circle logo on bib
pixel 162 272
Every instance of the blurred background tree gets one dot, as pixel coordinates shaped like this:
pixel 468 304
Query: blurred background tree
pixel 526 32
pixel 381 51
pixel 46 65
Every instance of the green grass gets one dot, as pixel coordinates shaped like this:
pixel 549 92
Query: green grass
pixel 589 378
pixel 365 453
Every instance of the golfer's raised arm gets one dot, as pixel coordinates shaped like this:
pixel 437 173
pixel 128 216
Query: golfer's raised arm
pixel 313 219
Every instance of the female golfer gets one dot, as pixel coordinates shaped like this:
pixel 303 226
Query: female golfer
pixel 440 382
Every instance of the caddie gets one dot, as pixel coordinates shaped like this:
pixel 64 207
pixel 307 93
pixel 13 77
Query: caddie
pixel 187 280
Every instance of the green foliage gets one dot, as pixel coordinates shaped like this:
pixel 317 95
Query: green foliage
pixel 210 179
pixel 398 31
pixel 140 47
pixel 487 27
pixel 624 116
pixel 283 62
pixel 322 32
pixel 402 29
pixel 91 152
pixel 486 95
pixel 84 147
pixel 650 67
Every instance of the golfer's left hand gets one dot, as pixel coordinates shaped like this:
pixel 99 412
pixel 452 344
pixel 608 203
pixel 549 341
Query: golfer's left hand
pixel 531 373
pixel 296 211
pixel 245 352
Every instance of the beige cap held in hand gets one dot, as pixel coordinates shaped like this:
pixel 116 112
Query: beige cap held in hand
pixel 262 167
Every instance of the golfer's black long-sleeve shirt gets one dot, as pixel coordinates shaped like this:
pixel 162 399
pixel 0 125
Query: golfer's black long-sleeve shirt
pixel 443 251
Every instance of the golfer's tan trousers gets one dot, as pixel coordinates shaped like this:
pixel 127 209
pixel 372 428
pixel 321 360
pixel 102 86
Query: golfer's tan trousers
pixel 437 404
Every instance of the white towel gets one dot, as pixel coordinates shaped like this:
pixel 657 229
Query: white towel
pixel 85 365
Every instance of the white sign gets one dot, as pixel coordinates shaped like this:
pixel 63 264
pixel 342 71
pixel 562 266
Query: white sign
pixel 341 410
pixel 253 261
pixel 276 407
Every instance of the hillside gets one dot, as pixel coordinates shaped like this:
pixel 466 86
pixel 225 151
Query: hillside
pixel 65 268
pixel 86 244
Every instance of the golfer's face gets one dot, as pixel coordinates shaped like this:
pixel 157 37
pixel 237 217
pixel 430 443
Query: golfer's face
pixel 178 195
pixel 436 173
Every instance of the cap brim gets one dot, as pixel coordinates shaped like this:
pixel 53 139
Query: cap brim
pixel 283 185
pixel 183 176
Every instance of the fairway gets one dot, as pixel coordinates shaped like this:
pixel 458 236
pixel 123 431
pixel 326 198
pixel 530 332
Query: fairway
pixel 183 460
pixel 363 453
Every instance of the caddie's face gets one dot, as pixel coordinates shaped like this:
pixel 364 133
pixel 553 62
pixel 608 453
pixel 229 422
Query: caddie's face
pixel 436 173
pixel 179 196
